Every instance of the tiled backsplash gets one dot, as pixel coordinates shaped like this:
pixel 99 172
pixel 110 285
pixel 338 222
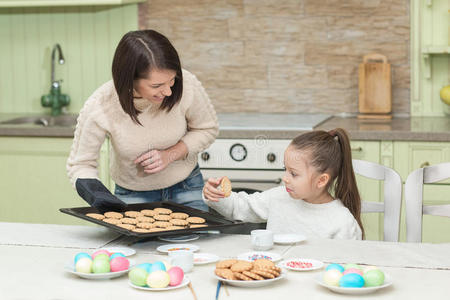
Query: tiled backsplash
pixel 285 55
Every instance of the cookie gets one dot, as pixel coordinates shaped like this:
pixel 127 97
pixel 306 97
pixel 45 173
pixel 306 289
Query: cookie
pixel 141 230
pixel 273 268
pixel 174 227
pixel 196 220
pixel 225 186
pixel 126 226
pixel 162 211
pixel 96 216
pixel 263 273
pixel 252 275
pixel 225 264
pixel 162 224
pixel 162 217
pixel 197 225
pixel 145 220
pixel 179 215
pixel 148 212
pixel 112 221
pixel 271 271
pixel 241 276
pixel 225 273
pixel 113 215
pixel 133 214
pixel 179 222
pixel 129 220
pixel 241 266
pixel 146 225
pixel 263 263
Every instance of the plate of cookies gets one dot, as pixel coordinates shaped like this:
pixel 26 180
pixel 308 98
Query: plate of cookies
pixel 244 273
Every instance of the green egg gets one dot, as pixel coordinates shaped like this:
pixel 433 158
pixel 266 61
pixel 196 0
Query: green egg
pixel 101 256
pixel 100 266
pixel 373 278
pixel 352 266
pixel 138 276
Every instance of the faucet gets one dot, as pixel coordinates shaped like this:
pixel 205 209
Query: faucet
pixel 55 100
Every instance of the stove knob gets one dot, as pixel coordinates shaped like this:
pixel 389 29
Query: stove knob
pixel 205 156
pixel 271 157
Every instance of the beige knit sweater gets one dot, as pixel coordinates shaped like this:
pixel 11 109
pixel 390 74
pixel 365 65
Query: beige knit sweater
pixel 193 120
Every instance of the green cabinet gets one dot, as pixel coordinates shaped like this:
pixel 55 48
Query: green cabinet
pixel 34 182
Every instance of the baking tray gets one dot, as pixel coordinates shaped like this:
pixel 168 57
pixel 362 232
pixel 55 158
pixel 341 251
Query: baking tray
pixel 213 222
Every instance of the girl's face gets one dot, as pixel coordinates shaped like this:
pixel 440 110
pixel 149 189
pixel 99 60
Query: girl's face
pixel 156 86
pixel 301 180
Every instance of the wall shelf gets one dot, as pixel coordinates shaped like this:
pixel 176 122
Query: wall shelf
pixel 38 3
pixel 432 50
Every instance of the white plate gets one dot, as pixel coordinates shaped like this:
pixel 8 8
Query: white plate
pixel 251 256
pixel 169 247
pixel 71 269
pixel 251 283
pixel 315 264
pixel 124 250
pixel 288 238
pixel 147 288
pixel 354 291
pixel 179 238
pixel 205 258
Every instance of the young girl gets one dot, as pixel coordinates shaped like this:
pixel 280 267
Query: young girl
pixel 316 164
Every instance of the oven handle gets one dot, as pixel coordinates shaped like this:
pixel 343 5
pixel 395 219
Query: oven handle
pixel 276 181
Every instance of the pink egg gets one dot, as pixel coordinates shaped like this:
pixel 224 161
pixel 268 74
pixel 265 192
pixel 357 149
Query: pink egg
pixel 176 275
pixel 353 270
pixel 98 252
pixel 119 263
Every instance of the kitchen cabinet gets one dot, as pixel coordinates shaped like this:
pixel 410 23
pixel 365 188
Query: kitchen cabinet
pixel 34 182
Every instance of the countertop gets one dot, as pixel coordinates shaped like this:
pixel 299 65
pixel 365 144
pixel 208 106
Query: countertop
pixel 417 270
pixel 275 126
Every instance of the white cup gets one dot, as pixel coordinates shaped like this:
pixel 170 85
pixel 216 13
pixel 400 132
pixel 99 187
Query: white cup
pixel 183 259
pixel 262 239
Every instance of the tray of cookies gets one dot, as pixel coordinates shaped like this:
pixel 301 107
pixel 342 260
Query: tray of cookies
pixel 153 219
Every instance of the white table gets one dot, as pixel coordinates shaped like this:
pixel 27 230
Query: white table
pixel 35 270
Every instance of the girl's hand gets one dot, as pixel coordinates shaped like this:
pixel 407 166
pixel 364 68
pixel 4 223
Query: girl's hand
pixel 210 189
pixel 154 161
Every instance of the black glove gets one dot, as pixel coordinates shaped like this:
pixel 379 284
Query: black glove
pixel 97 195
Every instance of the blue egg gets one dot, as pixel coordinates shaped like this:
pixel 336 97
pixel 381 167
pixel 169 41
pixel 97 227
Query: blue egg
pixel 145 266
pixel 81 255
pixel 116 254
pixel 335 266
pixel 157 266
pixel 351 280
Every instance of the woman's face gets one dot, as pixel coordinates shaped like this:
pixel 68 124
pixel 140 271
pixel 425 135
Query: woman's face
pixel 156 86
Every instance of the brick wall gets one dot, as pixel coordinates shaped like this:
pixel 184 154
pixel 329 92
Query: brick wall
pixel 285 55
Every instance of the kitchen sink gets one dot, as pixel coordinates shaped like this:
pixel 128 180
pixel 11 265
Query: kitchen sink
pixel 43 120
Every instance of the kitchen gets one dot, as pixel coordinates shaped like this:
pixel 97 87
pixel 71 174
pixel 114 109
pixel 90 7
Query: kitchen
pixel 257 60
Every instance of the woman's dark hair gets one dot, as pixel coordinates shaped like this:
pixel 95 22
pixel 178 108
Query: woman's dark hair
pixel 138 53
pixel 330 152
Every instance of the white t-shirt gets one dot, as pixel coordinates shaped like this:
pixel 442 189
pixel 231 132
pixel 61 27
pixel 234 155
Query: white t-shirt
pixel 287 215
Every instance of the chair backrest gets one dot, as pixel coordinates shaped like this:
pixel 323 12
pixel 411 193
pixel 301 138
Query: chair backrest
pixel 391 206
pixel 414 199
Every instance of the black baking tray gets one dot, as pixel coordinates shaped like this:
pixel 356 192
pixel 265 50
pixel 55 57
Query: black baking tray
pixel 213 222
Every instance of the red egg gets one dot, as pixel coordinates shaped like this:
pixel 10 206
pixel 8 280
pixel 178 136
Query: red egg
pixel 353 270
pixel 99 252
pixel 176 275
pixel 119 263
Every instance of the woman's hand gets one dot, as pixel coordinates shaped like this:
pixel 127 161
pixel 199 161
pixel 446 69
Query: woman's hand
pixel 210 190
pixel 154 161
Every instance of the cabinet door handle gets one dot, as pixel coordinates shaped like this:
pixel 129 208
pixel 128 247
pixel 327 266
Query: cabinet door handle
pixel 357 149
pixel 425 164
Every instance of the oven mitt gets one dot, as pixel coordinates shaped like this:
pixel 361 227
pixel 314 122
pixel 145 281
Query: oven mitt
pixel 97 195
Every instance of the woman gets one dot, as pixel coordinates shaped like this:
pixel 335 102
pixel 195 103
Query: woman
pixel 157 116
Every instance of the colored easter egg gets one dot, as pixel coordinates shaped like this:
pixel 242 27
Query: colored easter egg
pixel 138 276
pixel 80 255
pixel 84 265
pixel 351 280
pixel 102 256
pixel 99 252
pixel 373 278
pixel 145 266
pixel 119 264
pixel 158 279
pixel 352 266
pixel 332 277
pixel 368 268
pixel 338 267
pixel 176 275
pixel 167 265
pixel 100 266
pixel 353 270
pixel 157 266
pixel 116 254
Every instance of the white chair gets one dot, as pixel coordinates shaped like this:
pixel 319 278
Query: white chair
pixel 414 199
pixel 392 196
